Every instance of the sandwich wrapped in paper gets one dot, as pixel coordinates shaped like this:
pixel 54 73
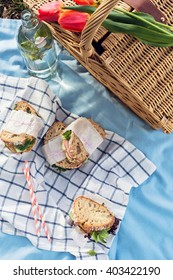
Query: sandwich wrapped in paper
pixel 21 129
pixel 69 147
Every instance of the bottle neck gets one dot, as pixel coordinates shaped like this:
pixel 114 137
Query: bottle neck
pixel 29 20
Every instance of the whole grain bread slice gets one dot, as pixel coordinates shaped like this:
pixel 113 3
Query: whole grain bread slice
pixel 19 143
pixel 54 130
pixel 90 215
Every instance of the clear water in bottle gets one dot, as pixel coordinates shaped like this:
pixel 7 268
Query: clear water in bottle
pixel 37 46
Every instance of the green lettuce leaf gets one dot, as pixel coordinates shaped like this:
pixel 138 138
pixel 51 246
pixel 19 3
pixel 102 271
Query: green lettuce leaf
pixel 92 253
pixel 100 236
pixel 22 147
pixel 66 135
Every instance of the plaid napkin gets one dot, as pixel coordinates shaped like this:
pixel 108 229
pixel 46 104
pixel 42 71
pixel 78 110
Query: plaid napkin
pixel 110 172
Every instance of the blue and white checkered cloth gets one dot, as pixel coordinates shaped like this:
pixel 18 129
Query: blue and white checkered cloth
pixel 110 172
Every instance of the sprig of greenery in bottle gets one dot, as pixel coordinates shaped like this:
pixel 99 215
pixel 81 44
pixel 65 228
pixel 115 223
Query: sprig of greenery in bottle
pixel 32 50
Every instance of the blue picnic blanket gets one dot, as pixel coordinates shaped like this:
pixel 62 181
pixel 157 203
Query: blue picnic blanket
pixel 146 229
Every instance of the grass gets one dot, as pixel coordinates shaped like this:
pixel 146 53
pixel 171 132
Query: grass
pixel 11 8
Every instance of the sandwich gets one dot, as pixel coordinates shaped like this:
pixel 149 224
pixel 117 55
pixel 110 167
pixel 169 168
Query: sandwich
pixel 93 218
pixel 19 142
pixel 56 130
pixel 75 152
pixel 74 148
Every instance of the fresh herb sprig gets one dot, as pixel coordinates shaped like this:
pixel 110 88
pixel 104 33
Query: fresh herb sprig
pixel 32 51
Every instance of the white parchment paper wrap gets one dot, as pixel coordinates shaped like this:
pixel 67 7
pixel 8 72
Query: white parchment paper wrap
pixel 53 150
pixel 86 132
pixel 22 122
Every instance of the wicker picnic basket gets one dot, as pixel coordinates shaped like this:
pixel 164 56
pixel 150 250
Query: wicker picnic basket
pixel 139 75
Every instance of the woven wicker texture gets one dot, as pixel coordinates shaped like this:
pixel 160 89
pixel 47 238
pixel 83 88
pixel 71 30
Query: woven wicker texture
pixel 140 75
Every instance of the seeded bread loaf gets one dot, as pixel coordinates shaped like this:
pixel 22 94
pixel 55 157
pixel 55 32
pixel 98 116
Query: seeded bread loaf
pixel 91 216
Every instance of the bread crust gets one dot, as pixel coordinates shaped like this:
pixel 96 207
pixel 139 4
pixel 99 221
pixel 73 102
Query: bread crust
pixel 54 130
pixel 99 129
pixel 90 215
pixel 25 107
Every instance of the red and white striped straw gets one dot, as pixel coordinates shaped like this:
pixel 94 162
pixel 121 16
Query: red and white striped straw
pixel 35 207
pixel 32 197
pixel 43 221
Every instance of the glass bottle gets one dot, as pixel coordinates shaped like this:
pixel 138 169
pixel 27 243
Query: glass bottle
pixel 37 47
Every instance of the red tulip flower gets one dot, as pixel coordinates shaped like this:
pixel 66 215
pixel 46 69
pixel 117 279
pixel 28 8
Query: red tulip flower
pixel 88 2
pixel 50 11
pixel 73 20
